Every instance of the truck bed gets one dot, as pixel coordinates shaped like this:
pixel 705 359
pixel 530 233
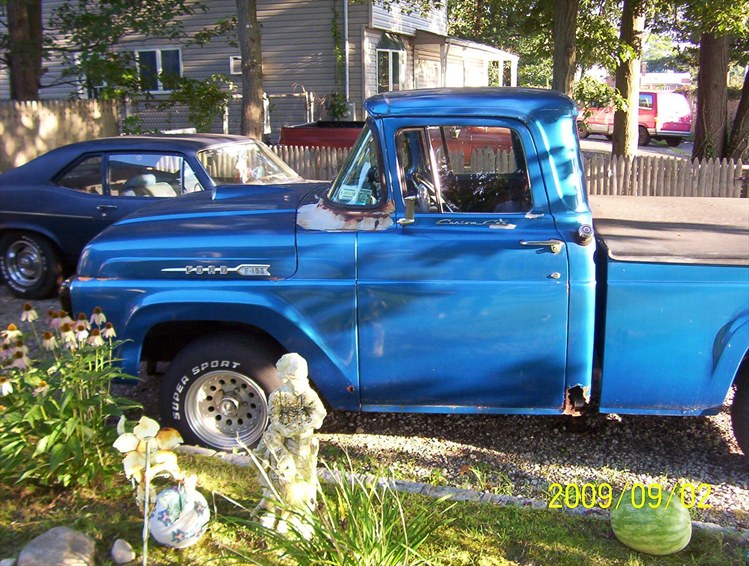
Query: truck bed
pixel 690 230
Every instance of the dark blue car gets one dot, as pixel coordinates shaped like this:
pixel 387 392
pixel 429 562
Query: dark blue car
pixel 52 206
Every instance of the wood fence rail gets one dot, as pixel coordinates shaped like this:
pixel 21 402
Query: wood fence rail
pixel 605 174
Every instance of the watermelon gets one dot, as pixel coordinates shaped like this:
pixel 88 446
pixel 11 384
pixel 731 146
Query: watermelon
pixel 657 530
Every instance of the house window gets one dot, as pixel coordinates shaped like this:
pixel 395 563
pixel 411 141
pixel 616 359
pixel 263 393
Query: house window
pixel 158 68
pixel 235 65
pixel 391 63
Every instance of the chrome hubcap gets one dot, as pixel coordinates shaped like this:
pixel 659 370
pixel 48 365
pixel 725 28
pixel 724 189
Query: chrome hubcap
pixel 25 263
pixel 223 405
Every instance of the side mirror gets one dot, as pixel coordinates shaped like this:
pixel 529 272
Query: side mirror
pixel 410 210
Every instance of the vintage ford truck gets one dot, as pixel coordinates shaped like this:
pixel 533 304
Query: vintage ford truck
pixel 454 265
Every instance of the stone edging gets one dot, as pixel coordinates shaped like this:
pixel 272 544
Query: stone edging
pixel 453 493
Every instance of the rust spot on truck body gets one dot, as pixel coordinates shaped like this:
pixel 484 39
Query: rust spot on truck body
pixel 576 400
pixel 321 216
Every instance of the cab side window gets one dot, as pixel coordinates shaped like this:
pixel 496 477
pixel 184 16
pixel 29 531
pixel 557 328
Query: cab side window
pixel 469 169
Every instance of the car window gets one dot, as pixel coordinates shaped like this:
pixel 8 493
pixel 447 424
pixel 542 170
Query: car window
pixel 359 183
pixel 470 169
pixel 85 176
pixel 646 101
pixel 144 174
pixel 247 162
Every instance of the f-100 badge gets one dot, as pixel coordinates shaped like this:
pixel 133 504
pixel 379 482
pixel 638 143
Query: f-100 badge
pixel 246 269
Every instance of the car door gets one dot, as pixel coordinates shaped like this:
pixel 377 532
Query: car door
pixel 465 308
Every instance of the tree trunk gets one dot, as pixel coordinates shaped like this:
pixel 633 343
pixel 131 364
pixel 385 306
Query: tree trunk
pixel 565 47
pixel 25 48
pixel 710 130
pixel 248 31
pixel 628 79
pixel 738 141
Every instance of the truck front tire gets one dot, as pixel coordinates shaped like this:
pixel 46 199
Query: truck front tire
pixel 216 390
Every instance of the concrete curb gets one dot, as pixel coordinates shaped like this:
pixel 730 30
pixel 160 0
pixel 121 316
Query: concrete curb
pixel 452 493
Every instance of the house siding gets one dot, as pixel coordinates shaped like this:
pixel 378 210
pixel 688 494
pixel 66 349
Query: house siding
pixel 299 57
pixel 397 20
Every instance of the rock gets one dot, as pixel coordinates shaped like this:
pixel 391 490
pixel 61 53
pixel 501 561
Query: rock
pixel 60 546
pixel 122 552
pixel 8 562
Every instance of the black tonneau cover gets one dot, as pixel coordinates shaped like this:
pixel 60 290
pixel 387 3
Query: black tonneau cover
pixel 674 229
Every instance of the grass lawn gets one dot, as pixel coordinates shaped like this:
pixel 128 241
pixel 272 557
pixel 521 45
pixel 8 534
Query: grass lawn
pixel 478 534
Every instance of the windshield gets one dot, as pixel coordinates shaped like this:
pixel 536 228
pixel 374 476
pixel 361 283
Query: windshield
pixel 248 162
pixel 359 183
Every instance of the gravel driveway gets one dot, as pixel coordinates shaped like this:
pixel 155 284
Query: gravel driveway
pixel 524 455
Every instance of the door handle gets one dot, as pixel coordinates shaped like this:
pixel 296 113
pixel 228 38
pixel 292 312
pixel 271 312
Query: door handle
pixel 105 209
pixel 555 245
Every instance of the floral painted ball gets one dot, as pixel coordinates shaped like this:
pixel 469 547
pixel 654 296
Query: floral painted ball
pixel 179 518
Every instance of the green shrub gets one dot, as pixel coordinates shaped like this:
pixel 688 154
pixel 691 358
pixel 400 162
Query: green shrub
pixel 56 412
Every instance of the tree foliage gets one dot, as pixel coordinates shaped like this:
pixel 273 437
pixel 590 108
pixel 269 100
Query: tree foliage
pixel 524 27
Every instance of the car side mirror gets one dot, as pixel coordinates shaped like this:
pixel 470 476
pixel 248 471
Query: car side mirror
pixel 408 218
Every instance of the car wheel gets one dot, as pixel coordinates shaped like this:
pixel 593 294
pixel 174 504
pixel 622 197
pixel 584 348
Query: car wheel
pixel 674 142
pixel 643 137
pixel 216 390
pixel 29 264
pixel 740 411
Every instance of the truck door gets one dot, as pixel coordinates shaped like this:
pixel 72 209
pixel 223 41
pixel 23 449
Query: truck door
pixel 465 308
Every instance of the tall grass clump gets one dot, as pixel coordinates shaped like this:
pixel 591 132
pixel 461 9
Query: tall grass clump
pixel 357 522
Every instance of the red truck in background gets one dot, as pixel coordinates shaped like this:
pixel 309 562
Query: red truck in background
pixel 662 116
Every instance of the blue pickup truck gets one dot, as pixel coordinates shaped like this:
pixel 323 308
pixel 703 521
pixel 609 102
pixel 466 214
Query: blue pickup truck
pixel 454 265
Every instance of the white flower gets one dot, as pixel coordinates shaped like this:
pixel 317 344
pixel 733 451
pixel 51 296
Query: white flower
pixel 95 339
pixel 28 314
pixel 126 442
pixel 98 317
pixel 20 361
pixel 6 387
pixel 49 342
pixel 83 321
pixel 146 428
pixel 11 334
pixel 20 347
pixel 81 332
pixel 41 389
pixel 108 331
pixel 66 333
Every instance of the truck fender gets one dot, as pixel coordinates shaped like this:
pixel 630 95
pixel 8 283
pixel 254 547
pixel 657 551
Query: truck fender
pixel 731 348
pixel 333 373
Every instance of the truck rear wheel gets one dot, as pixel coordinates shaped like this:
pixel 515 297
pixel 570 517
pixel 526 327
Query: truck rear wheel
pixel 643 137
pixel 740 412
pixel 216 390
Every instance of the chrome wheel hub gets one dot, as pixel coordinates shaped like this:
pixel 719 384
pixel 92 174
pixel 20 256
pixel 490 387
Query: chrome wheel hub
pixel 222 406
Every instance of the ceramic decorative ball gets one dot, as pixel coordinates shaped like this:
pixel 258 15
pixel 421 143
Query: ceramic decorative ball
pixel 179 518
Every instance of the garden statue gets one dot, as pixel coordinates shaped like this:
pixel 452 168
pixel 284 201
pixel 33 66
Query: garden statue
pixel 287 453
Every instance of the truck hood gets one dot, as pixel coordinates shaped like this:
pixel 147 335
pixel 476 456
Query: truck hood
pixel 233 232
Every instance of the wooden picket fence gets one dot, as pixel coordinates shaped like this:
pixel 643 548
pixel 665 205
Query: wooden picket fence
pixel 605 174
pixel 28 129
pixel 665 176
